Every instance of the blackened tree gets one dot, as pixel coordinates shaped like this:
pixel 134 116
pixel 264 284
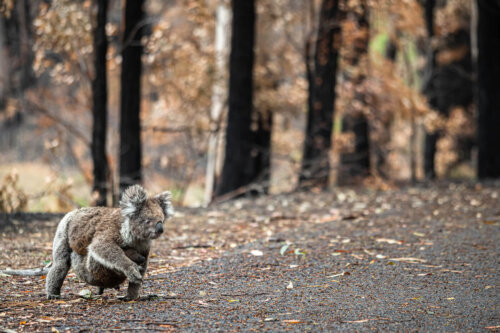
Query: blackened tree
pixel 489 88
pixel 130 123
pixel 18 41
pixel 355 164
pixel 448 81
pixel 315 166
pixel 99 109
pixel 240 167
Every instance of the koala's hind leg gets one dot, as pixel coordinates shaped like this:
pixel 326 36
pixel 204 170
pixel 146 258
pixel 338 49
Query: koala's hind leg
pixel 61 262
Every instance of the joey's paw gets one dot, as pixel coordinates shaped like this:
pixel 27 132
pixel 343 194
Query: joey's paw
pixel 140 259
pixel 51 296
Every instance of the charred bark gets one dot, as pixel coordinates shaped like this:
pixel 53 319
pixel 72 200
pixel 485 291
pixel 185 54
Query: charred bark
pixel 240 169
pixel 448 80
pixel 315 167
pixel 489 88
pixel 99 109
pixel 130 124
pixel 355 165
pixel 18 41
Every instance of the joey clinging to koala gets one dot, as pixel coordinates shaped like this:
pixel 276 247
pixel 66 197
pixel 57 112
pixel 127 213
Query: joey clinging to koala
pixel 105 246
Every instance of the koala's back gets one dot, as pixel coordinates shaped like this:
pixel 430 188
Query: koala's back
pixel 87 222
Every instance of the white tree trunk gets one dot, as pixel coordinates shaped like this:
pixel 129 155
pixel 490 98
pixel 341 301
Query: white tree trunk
pixel 219 95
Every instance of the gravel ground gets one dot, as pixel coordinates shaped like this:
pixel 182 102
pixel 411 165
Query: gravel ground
pixel 413 259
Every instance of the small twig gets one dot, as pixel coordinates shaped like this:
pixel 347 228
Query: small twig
pixel 239 295
pixel 179 129
pixel 201 246
pixel 34 107
pixel 147 322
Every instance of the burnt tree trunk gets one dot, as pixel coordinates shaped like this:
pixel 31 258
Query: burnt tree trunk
pixel 239 169
pixel 315 167
pixel 448 80
pixel 130 124
pixel 489 89
pixel 260 153
pixel 428 88
pixel 355 165
pixel 99 109
pixel 18 51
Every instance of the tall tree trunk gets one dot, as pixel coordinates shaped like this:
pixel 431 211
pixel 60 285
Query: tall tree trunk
pixel 99 109
pixel 238 170
pixel 130 125
pixel 260 154
pixel 26 54
pixel 219 96
pixel 489 89
pixel 448 78
pixel 355 165
pixel 17 51
pixel 315 167
pixel 428 88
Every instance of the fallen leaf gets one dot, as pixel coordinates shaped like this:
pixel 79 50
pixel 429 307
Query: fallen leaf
pixel 290 285
pixel 283 249
pixel 408 259
pixel 419 234
pixel 297 252
pixel 270 319
pixel 358 321
pixel 293 321
pixel 492 327
pixel 85 293
pixel 389 241
pixel 233 300
pixel 257 253
pixel 340 274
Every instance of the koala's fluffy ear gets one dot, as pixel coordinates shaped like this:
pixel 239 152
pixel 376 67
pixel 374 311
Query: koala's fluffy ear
pixel 132 200
pixel 165 201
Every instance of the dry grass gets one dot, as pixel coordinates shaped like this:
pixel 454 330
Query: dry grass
pixel 48 190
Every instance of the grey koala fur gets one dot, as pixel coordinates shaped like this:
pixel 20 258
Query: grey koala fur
pixel 105 246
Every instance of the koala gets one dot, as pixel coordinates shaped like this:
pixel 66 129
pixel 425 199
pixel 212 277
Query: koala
pixel 105 246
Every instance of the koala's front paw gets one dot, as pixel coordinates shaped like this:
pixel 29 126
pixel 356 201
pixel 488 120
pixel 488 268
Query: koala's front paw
pixel 51 296
pixel 134 275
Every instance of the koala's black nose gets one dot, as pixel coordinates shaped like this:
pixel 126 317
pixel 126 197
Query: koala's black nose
pixel 159 228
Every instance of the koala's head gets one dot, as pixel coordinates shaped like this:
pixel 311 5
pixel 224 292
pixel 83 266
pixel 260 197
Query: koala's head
pixel 143 215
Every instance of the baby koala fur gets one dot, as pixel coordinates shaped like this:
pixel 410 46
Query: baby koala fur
pixel 105 246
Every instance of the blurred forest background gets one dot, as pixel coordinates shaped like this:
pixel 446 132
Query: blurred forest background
pixel 214 99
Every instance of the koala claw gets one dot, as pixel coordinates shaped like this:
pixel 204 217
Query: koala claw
pixel 134 276
pixel 51 296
